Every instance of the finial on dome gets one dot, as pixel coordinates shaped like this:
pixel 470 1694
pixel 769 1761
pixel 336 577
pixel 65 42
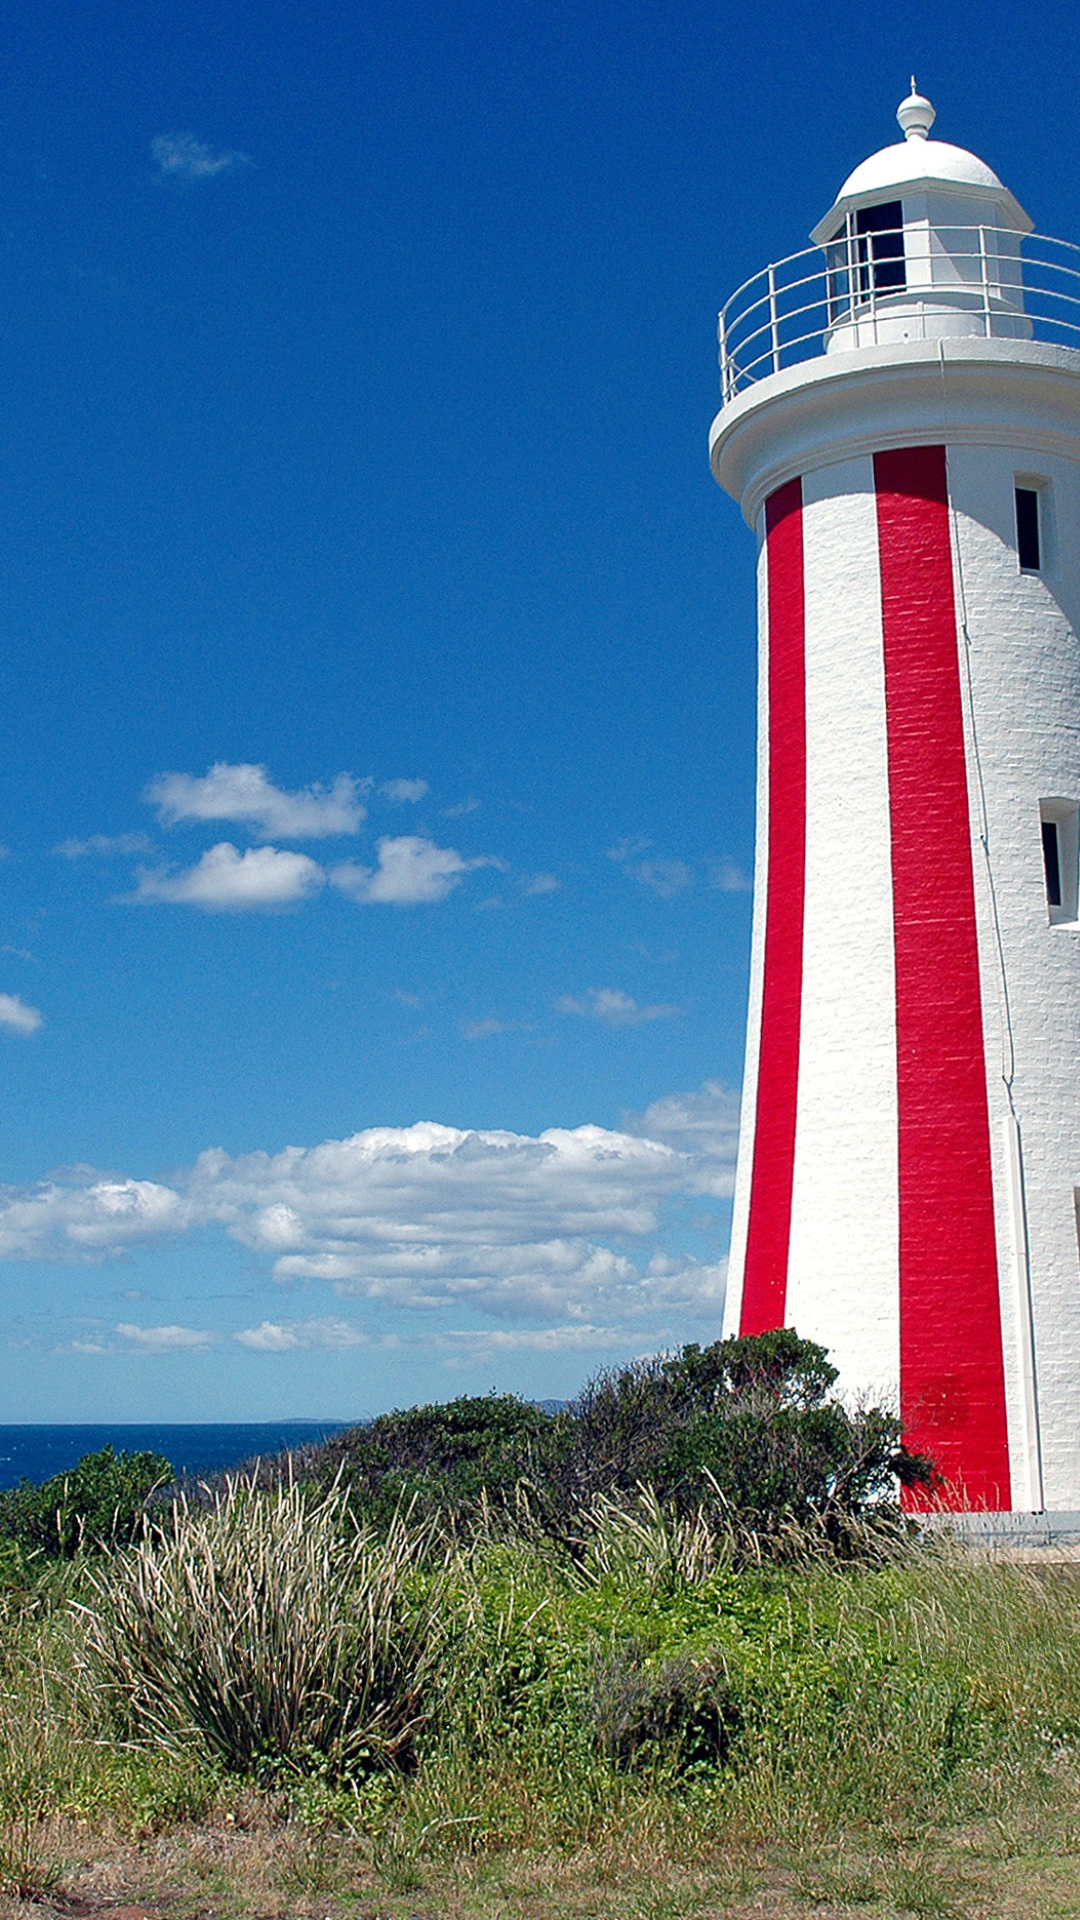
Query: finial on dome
pixel 915 114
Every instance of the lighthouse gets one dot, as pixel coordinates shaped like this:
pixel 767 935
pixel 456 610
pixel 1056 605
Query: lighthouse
pixel 900 424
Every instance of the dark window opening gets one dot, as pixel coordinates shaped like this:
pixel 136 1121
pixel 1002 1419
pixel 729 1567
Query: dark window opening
pixel 1027 529
pixel 880 247
pixel 1051 862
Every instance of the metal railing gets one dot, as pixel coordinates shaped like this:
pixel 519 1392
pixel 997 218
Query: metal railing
pixel 859 290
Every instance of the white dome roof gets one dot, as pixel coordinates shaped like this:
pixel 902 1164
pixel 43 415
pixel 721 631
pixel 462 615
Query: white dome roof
pixel 919 160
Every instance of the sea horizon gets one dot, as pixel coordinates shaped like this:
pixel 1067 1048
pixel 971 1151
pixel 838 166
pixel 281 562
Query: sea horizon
pixel 36 1450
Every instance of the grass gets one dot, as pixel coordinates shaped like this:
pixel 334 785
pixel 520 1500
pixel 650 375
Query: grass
pixel 655 1729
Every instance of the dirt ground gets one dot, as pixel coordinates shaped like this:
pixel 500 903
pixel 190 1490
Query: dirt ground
pixel 222 1873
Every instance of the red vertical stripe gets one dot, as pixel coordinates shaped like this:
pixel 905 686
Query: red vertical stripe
pixel 952 1389
pixel 769 1228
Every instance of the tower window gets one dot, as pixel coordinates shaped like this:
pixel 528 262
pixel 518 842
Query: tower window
pixel 1051 862
pixel 1028 545
pixel 880 247
pixel 1060 824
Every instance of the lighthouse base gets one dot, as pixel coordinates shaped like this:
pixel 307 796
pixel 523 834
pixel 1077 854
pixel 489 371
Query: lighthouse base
pixel 1006 1534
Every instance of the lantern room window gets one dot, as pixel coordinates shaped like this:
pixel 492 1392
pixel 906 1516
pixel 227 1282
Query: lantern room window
pixel 866 257
pixel 879 244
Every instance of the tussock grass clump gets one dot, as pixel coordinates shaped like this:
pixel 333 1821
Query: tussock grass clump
pixel 269 1630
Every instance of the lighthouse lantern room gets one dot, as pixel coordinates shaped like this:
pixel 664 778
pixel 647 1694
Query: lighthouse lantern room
pixel 900 423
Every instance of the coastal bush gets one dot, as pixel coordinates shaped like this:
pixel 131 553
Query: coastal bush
pixel 745 1427
pixel 98 1503
pixel 268 1631
pixel 449 1461
pixel 746 1430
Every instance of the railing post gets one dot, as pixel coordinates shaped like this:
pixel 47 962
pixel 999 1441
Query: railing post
pixel 721 334
pixel 984 272
pixel 872 271
pixel 774 321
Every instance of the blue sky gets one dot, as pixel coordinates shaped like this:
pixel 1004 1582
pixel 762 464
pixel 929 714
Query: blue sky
pixel 376 776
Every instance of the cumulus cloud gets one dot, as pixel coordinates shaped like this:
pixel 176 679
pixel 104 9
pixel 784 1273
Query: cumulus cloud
pixel 703 1125
pixel 411 790
pixel 410 870
pixel 561 1229
pixel 17 1017
pixel 105 844
pixel 181 157
pixel 247 795
pixel 613 1007
pixel 166 1339
pixel 86 1219
pixel 263 879
pixel 292 1336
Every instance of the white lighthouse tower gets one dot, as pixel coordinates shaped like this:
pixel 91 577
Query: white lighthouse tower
pixel 900 423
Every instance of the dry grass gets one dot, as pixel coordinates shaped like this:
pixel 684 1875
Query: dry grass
pixel 906 1739
pixel 269 1870
pixel 263 1630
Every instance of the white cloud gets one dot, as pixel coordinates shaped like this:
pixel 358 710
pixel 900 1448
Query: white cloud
pixel 412 790
pixel 166 1339
pixel 246 795
pixel 628 848
pixel 663 877
pixel 86 1220
pixel 180 156
pixel 487 1028
pixel 540 883
pixel 564 1229
pixel 104 843
pixel 613 1007
pixel 568 1339
pixel 730 878
pixel 263 879
pixel 704 1125
pixel 17 1017
pixel 411 870
pixel 291 1336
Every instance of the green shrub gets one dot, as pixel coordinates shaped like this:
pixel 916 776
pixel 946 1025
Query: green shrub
pixel 744 1430
pixel 268 1630
pixel 448 1460
pixel 683 1716
pixel 99 1503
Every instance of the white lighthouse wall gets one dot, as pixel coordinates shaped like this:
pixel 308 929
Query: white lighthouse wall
pixel 748 1108
pixel 1023 652
pixel 843 1277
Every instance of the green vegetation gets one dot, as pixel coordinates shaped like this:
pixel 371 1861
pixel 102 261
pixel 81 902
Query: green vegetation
pixel 100 1503
pixel 743 1430
pixel 681 1660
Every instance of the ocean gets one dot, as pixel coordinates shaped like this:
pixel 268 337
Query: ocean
pixel 36 1453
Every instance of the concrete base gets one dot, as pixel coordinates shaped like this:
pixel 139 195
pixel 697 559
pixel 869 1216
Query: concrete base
pixel 1034 1536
